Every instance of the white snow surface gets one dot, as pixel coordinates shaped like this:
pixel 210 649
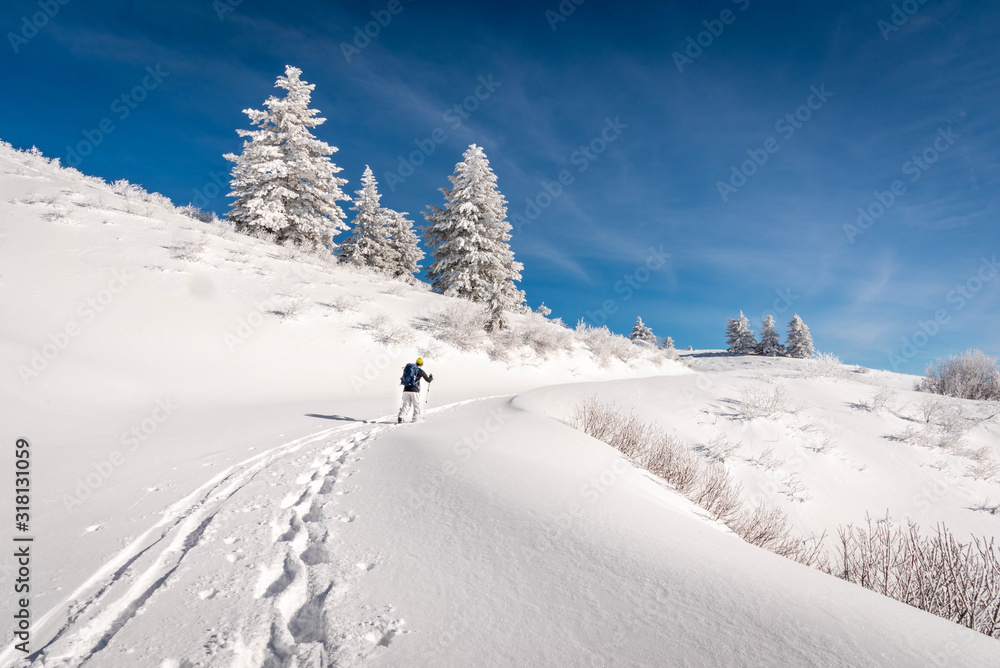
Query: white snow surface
pixel 268 511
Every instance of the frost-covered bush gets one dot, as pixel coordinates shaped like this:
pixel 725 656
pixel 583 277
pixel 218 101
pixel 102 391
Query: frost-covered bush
pixel 761 400
pixel 463 325
pixel 825 365
pixel 290 308
pixel 388 333
pixel 605 345
pixel 971 375
pixel 195 213
pixel 345 303
pixel 543 336
pixel 881 400
pixel 190 249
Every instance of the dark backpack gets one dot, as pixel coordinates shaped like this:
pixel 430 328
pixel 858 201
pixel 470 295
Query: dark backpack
pixel 410 375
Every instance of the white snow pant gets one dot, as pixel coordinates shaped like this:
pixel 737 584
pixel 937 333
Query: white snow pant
pixel 410 399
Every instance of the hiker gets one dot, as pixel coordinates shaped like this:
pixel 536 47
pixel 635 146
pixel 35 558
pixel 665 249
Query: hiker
pixel 412 373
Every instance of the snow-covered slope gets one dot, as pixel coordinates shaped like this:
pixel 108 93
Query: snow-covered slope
pixel 218 479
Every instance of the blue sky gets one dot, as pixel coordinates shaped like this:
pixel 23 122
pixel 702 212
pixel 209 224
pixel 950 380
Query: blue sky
pixel 834 101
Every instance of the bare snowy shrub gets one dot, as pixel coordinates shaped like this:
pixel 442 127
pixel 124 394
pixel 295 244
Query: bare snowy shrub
pixel 719 494
pixel 971 375
pixel 343 304
pixel 224 229
pixel 193 212
pixel 796 490
pixel 395 290
pixel 240 254
pixel 671 460
pixel 712 487
pixel 767 460
pixel 719 448
pixel 760 400
pixel 463 325
pixel 191 249
pixel 931 408
pixel 388 333
pixel 936 573
pixel 988 507
pixel 881 400
pixel 983 465
pixel 769 528
pixel 291 308
pixel 96 202
pixel 262 235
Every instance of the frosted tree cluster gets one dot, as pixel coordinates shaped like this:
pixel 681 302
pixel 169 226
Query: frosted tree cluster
pixel 382 239
pixel 468 238
pixel 284 182
pixel 642 334
pixel 741 339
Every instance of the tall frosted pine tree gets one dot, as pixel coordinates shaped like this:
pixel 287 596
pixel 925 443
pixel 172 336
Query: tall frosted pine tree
pixel 739 336
pixel 369 244
pixel 770 342
pixel 284 181
pixel 404 245
pixel 641 333
pixel 468 238
pixel 800 341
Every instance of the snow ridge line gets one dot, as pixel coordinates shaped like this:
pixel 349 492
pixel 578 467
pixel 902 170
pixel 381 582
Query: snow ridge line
pixel 178 514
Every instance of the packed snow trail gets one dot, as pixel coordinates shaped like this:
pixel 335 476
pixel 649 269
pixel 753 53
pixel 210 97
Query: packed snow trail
pixel 102 610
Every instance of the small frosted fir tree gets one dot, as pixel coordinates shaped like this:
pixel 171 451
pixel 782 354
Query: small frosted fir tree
pixel 284 182
pixel 468 238
pixel 369 244
pixel 668 345
pixel 642 334
pixel 770 342
pixel 404 245
pixel 799 342
pixel 739 336
pixel 543 310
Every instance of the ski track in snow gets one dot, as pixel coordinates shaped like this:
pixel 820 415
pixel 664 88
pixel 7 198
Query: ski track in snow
pixel 294 627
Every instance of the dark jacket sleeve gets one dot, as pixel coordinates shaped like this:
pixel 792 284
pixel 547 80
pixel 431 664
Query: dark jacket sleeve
pixel 423 374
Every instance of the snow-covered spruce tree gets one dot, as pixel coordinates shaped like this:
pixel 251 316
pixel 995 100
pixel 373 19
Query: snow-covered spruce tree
pixel 641 333
pixel 404 245
pixel 284 181
pixel 770 342
pixel 800 342
pixel 668 344
pixel 739 337
pixel 369 245
pixel 468 238
pixel 543 310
